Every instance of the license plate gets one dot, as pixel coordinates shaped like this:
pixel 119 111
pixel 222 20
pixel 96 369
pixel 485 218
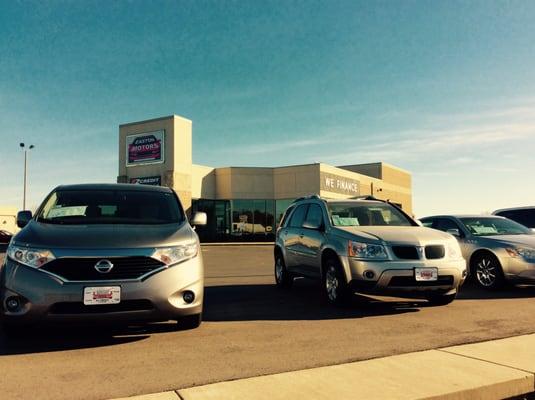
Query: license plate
pixel 102 295
pixel 425 274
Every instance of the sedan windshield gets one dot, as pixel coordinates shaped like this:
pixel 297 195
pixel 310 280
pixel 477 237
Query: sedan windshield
pixel 111 207
pixel 366 214
pixel 493 226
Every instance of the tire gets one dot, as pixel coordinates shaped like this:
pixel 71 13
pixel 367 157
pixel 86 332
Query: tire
pixel 441 299
pixel 336 289
pixel 487 272
pixel 189 322
pixel 283 279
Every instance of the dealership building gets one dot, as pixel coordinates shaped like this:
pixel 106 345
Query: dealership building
pixel 243 203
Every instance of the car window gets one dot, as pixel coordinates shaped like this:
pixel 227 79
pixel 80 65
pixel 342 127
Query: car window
pixel 494 226
pixel 298 216
pixel 525 217
pixel 444 224
pixel 314 215
pixel 284 219
pixel 428 223
pixel 111 207
pixel 366 214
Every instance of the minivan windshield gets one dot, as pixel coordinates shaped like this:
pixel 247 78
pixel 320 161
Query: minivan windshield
pixel 366 214
pixel 110 207
pixel 490 226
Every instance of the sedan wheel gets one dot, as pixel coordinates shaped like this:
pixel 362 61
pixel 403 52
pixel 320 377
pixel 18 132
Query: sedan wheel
pixel 487 272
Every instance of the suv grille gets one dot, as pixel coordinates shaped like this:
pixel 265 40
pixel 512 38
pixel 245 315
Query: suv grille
pixel 434 252
pixel 83 269
pixel 406 252
pixel 400 281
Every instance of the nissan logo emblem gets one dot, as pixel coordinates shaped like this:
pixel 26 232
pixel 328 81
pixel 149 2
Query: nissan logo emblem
pixel 104 266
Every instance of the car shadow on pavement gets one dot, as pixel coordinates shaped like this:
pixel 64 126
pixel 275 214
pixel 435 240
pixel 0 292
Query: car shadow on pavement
pixel 470 291
pixel 302 302
pixel 38 339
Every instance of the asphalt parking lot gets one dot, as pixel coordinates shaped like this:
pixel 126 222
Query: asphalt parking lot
pixel 250 328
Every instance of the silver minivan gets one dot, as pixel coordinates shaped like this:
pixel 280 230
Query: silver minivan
pixel 104 252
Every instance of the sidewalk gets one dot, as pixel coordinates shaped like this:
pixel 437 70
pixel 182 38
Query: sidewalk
pixel 497 369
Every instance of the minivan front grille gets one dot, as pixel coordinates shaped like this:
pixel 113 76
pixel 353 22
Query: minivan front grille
pixel 405 252
pixel 81 308
pixel 83 269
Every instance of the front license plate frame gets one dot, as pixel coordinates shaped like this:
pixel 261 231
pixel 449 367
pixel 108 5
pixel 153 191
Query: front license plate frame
pixel 100 295
pixel 426 274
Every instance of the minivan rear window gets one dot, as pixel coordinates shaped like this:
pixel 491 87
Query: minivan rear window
pixel 111 207
pixel 525 217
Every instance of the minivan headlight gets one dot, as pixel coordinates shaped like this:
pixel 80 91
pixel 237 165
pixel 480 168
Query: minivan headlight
pixel 176 254
pixel 31 257
pixel 366 251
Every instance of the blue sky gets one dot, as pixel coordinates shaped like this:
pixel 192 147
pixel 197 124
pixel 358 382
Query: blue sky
pixel 445 89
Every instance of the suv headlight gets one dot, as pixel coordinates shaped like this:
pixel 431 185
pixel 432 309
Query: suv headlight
pixel 366 251
pixel 176 254
pixel 31 257
pixel 524 252
pixel 454 250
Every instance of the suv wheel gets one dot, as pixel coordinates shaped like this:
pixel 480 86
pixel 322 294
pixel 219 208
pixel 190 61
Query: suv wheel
pixel 189 322
pixel 334 283
pixel 487 271
pixel 441 299
pixel 283 279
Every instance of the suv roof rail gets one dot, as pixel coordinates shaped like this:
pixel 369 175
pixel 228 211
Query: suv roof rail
pixel 365 197
pixel 310 196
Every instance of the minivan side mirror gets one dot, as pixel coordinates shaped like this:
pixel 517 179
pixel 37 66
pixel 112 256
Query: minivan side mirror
pixel 200 218
pixel 23 217
pixel 455 232
pixel 311 225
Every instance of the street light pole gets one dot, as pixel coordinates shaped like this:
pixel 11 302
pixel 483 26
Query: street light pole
pixel 22 145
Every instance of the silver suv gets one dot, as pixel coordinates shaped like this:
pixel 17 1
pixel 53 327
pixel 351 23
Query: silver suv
pixel 367 246
pixel 104 253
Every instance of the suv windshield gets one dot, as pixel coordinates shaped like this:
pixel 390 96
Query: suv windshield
pixel 493 226
pixel 111 207
pixel 366 214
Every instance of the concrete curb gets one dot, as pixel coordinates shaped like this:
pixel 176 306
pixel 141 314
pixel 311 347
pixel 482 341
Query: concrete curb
pixel 497 369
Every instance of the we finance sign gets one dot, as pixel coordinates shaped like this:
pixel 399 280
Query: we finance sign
pixel 339 184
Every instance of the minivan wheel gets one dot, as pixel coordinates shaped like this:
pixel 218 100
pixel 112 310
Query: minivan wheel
pixel 189 322
pixel 283 279
pixel 441 299
pixel 487 272
pixel 335 286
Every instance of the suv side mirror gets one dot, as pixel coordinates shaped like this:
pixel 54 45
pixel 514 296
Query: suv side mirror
pixel 200 218
pixel 311 225
pixel 455 232
pixel 23 217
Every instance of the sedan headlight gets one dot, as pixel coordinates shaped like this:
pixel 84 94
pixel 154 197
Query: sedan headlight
pixel 366 251
pixel 176 254
pixel 524 252
pixel 31 257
